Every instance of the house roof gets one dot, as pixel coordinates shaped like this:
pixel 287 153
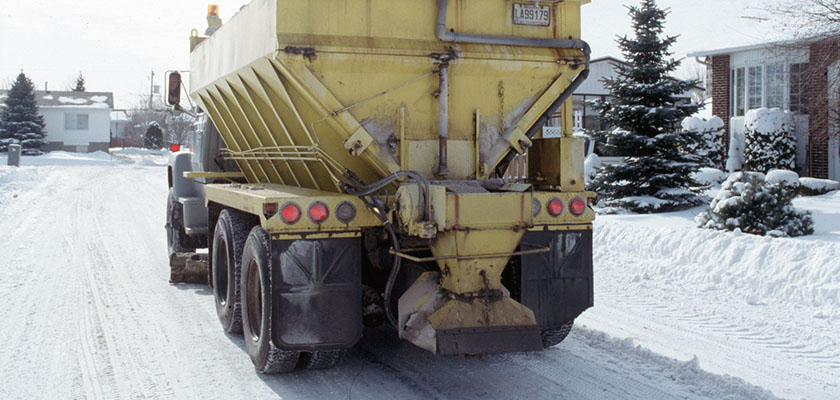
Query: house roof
pixel 759 46
pixel 54 98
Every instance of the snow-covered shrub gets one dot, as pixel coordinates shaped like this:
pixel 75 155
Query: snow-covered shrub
pixel 711 144
pixel 590 166
pixel 759 205
pixel 816 187
pixel 709 176
pixel 769 140
pixel 735 158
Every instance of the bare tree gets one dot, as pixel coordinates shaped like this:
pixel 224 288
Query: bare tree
pixel 176 127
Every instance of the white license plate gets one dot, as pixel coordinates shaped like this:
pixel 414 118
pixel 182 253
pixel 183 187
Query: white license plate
pixel 528 14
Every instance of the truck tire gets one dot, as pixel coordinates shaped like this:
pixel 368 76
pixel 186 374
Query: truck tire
pixel 322 359
pixel 228 241
pixel 553 337
pixel 176 238
pixel 257 307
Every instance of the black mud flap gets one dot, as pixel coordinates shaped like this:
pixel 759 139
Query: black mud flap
pixel 317 294
pixel 557 285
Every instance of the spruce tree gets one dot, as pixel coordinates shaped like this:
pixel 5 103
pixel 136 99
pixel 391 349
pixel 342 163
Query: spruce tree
pixel 656 174
pixel 79 84
pixel 20 120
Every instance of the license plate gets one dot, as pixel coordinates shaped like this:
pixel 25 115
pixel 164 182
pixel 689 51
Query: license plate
pixel 528 14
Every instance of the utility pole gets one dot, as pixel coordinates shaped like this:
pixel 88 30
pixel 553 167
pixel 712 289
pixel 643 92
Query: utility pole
pixel 151 97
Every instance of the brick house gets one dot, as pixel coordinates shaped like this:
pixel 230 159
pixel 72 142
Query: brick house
pixel 800 76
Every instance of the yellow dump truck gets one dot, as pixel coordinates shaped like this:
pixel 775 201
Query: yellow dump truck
pixel 352 172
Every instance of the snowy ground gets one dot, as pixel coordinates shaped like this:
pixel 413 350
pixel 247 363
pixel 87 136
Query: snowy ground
pixel 681 312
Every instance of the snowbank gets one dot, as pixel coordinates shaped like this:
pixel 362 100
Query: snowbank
pixel 65 158
pixel 802 271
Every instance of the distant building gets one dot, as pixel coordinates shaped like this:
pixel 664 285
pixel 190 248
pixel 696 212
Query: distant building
pixel 585 116
pixel 801 77
pixel 76 121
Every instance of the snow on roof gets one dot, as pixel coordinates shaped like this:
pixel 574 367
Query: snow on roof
pixel 54 98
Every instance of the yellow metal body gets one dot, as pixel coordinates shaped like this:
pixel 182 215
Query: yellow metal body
pixel 302 91
pixel 314 80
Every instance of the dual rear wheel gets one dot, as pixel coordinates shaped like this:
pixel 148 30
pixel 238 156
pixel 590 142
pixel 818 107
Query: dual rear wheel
pixel 241 257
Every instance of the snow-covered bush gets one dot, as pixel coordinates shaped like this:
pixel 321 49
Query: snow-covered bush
pixel 709 176
pixel 759 205
pixel 815 187
pixel 4 144
pixel 590 166
pixel 711 144
pixel 735 158
pixel 769 140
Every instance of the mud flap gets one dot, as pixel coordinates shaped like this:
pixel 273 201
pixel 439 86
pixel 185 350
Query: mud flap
pixel 557 285
pixel 317 294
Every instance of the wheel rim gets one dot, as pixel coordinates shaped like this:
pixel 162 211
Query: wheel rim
pixel 222 273
pixel 253 300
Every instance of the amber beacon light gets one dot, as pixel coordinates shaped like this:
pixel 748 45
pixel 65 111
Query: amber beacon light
pixel 213 10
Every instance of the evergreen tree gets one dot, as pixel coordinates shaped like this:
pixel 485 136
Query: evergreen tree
pixel 657 172
pixel 20 120
pixel 80 83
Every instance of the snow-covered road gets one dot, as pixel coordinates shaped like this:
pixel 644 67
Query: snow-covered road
pixel 90 314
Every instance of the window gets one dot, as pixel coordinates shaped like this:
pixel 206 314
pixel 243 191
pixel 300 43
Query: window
pixel 738 100
pixel 75 122
pixel 754 88
pixel 774 87
pixel 799 89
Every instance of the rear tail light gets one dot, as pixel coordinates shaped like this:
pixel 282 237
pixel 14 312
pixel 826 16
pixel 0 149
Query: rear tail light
pixel 290 213
pixel 345 212
pixel 175 148
pixel 269 209
pixel 555 207
pixel 318 212
pixel 577 206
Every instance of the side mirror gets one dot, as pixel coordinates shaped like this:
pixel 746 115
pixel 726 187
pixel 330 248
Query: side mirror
pixel 173 97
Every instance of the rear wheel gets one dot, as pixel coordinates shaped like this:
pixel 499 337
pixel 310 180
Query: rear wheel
pixel 228 241
pixel 257 307
pixel 553 337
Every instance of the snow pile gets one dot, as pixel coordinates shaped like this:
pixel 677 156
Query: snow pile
pixel 758 270
pixel 709 176
pixel 749 202
pixel 735 159
pixel 687 373
pixel 710 147
pixel 66 158
pixel 813 186
pixel 14 180
pixel 769 140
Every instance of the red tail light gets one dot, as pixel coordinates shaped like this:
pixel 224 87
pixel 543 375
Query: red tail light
pixel 318 212
pixel 578 206
pixel 555 207
pixel 175 148
pixel 290 213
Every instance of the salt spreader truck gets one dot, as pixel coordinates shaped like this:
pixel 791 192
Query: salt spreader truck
pixel 352 172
